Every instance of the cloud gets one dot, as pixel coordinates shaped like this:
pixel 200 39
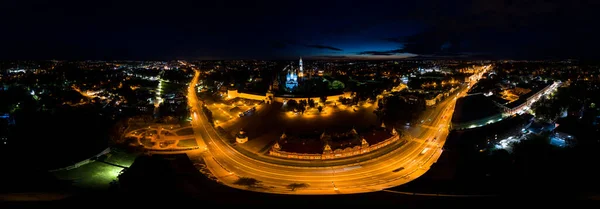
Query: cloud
pixel 382 53
pixel 362 57
pixel 284 44
pixel 400 40
pixel 503 29
pixel 328 57
pixel 450 55
pixel 316 46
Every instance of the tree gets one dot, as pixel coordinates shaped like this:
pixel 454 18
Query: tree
pixel 249 182
pixel 323 99
pixel 311 103
pixel 128 94
pixel 294 186
pixel 292 104
pixel 544 110
pixel 379 113
pixel 182 111
pixel 337 85
pixel 303 102
pixel 164 110
pixel 114 185
pixel 301 108
pixel 208 114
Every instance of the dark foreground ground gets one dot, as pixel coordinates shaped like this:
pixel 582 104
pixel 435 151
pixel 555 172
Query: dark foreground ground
pixel 174 180
pixel 534 175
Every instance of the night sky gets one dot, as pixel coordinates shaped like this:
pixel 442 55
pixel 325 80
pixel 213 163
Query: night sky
pixel 287 29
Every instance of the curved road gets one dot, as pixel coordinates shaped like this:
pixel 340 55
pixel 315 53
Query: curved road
pixel 392 169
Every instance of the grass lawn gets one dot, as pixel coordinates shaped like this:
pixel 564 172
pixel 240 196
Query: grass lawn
pixel 221 115
pixel 146 142
pixel 187 143
pixel 172 87
pixel 97 175
pixel 185 132
pixel 121 158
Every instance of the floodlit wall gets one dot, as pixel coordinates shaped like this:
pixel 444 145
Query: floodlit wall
pixel 251 96
pixel 83 162
pixel 333 98
pixel 479 122
pixel 231 94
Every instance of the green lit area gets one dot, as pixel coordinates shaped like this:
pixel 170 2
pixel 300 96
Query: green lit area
pixel 97 174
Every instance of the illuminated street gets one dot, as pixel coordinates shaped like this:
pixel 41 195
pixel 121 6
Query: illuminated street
pixel 392 169
pixel 285 103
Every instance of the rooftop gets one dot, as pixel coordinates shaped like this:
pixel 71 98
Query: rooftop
pixel 302 145
pixel 535 89
pixel 312 143
pixel 343 140
pixel 511 126
pixel 473 107
pixel 309 143
pixel 377 135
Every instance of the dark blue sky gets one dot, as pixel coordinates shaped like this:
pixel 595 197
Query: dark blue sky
pixel 288 29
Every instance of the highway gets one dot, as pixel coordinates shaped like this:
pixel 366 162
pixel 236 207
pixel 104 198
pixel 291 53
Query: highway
pixel 392 169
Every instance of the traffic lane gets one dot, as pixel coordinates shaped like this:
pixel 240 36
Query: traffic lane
pixel 295 171
pixel 320 177
pixel 448 102
pixel 285 162
pixel 325 182
pixel 377 179
pixel 352 181
pixel 224 147
pixel 401 148
pixel 421 163
pixel 312 172
pixel 217 136
pixel 268 170
pixel 367 181
pixel 438 114
pixel 443 103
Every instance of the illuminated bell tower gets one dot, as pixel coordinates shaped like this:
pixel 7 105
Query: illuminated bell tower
pixel 301 70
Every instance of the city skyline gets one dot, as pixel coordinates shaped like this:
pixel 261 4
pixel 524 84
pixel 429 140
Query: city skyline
pixel 387 129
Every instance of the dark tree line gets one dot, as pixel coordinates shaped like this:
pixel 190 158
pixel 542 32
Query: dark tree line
pixel 395 108
pixel 208 114
pixel 304 104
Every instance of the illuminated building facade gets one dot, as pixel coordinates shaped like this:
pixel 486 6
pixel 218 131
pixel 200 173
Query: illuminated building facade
pixel 291 79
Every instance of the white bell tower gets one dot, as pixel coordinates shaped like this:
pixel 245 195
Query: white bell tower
pixel 301 70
